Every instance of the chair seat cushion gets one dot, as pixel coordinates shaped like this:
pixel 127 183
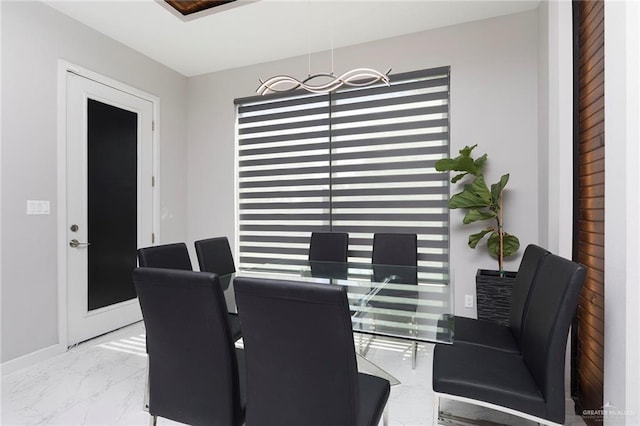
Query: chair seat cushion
pixel 374 393
pixel 484 333
pixel 487 375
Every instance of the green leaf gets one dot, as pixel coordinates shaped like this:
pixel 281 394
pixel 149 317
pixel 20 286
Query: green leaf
pixel 511 244
pixel 458 164
pixel 446 164
pixel 474 239
pixel 462 163
pixel 493 244
pixel 474 215
pixel 466 200
pixel 466 151
pixel 479 163
pixel 475 195
pixel 456 178
pixel 496 189
pixel 466 164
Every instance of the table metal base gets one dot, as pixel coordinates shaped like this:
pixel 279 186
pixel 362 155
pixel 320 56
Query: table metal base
pixel 366 366
pixel 445 418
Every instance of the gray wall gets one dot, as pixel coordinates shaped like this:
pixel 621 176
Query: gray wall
pixel 34 38
pixel 543 123
pixel 494 103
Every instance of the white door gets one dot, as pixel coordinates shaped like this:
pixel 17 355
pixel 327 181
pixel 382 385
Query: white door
pixel 109 204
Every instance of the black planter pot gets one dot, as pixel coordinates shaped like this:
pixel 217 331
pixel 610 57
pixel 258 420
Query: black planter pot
pixel 493 295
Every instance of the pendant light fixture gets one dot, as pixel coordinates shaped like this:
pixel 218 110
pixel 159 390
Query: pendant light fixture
pixel 358 77
pixel 322 83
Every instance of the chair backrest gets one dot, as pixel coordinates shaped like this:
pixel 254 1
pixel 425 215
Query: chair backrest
pixel 168 256
pixel 214 255
pixel 299 351
pixel 552 306
pixel 328 246
pixel 193 370
pixel 529 266
pixel 395 249
pixel 324 269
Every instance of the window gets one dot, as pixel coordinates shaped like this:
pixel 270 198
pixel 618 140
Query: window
pixel 360 160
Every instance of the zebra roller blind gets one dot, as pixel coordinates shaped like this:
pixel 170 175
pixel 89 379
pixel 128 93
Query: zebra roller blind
pixel 359 161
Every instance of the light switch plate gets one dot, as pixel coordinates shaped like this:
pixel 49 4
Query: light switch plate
pixel 38 207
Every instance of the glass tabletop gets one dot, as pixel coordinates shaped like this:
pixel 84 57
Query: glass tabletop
pixel 396 301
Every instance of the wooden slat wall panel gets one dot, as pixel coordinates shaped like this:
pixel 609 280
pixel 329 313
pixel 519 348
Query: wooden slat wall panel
pixel 593 134
pixel 589 14
pixel 590 75
pixel 593 179
pixel 590 71
pixel 593 44
pixel 594 156
pixel 589 356
pixel 591 238
pixel 591 120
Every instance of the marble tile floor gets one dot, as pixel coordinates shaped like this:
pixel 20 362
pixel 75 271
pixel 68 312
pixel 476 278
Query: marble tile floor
pixel 101 382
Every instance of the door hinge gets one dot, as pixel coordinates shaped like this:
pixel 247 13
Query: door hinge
pixel 153 181
pixel 153 125
pixel 153 238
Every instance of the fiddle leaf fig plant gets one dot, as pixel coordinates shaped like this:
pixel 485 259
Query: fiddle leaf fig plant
pixel 481 203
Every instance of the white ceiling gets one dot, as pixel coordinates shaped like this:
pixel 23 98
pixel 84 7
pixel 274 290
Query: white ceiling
pixel 249 32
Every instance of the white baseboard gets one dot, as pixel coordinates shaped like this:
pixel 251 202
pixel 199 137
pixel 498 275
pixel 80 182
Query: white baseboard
pixel 28 360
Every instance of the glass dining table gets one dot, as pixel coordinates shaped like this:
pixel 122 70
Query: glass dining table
pixel 401 302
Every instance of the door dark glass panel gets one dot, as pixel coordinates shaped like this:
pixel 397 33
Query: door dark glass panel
pixel 112 203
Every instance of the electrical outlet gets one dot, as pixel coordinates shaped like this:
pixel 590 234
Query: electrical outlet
pixel 468 300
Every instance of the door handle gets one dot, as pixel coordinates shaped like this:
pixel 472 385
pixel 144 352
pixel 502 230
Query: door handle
pixel 75 244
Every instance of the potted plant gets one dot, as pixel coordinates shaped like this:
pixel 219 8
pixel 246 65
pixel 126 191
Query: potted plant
pixel 493 288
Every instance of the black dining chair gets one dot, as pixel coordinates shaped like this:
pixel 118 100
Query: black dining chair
pixel 176 256
pixel 395 249
pixel 400 251
pixel 196 376
pixel 493 335
pixel 169 256
pixel 166 256
pixel 300 357
pixel 529 384
pixel 214 255
pixel 328 247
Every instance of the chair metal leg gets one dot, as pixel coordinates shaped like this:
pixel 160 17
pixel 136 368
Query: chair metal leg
pixel 448 418
pixel 145 402
pixel 153 420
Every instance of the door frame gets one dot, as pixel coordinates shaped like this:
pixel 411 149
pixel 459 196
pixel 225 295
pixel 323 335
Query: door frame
pixel 63 68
